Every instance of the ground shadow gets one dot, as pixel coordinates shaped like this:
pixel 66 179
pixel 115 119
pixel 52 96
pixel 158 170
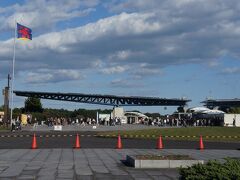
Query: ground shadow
pixel 126 163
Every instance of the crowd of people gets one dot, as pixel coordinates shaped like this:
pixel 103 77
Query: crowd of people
pixel 82 121
pixel 161 122
pixel 68 121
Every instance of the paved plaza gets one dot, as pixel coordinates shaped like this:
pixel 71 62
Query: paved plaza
pixel 48 164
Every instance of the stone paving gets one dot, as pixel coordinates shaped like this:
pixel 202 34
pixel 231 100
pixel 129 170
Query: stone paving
pixel 81 164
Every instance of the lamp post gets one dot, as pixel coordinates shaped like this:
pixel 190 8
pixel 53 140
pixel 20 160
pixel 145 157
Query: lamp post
pixel 6 103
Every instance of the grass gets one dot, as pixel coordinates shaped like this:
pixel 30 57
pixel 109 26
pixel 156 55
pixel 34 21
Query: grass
pixel 3 128
pixel 189 133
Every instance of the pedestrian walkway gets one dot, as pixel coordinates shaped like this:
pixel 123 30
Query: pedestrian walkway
pixel 81 164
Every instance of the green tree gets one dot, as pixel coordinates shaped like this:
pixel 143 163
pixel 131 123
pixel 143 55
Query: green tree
pixel 153 115
pixel 235 110
pixel 33 105
pixel 17 112
pixel 180 109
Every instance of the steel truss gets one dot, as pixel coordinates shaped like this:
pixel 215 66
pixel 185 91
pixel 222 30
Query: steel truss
pixel 211 103
pixel 105 99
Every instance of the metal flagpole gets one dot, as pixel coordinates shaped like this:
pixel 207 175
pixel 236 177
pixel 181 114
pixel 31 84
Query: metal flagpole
pixel 13 73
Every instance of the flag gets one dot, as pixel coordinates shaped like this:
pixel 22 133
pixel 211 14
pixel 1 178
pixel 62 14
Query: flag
pixel 24 32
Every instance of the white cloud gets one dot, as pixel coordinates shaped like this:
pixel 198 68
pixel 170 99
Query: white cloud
pixel 124 83
pixel 81 47
pixel 213 63
pixel 113 70
pixel 120 25
pixel 45 13
pixel 49 75
pixel 120 55
pixel 142 72
pixel 97 64
pixel 129 5
pixel 232 70
pixel 151 36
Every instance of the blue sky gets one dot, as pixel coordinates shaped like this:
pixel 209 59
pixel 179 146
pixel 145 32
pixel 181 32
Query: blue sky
pixel 168 49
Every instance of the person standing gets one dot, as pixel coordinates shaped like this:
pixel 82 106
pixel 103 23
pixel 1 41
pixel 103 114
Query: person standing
pixel 13 125
pixel 234 122
pixel 107 121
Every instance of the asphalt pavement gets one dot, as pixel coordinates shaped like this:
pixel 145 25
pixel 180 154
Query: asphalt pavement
pixel 23 140
pixel 48 138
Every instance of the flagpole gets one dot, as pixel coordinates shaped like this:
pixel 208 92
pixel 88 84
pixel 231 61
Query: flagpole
pixel 13 73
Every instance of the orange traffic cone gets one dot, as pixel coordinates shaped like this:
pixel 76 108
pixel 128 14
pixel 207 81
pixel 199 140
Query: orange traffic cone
pixel 160 143
pixel 34 142
pixel 77 143
pixel 201 145
pixel 119 142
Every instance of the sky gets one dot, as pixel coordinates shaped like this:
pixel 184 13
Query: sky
pixel 166 49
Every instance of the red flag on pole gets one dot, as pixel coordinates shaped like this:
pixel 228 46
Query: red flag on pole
pixel 24 32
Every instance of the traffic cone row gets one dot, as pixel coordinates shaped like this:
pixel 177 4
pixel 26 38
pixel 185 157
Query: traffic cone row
pixel 34 142
pixel 160 143
pixel 119 142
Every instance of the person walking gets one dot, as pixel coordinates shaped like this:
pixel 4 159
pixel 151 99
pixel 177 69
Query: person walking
pixel 13 125
pixel 107 121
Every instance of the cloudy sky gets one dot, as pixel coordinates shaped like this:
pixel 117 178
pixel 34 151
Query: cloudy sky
pixel 167 48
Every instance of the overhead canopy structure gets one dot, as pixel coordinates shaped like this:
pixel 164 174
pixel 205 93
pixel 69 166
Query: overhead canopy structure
pixel 211 103
pixel 105 99
pixel 129 113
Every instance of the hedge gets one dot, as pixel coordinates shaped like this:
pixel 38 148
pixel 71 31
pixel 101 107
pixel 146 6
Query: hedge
pixel 213 169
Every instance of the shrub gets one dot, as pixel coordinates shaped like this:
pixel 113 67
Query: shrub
pixel 213 169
